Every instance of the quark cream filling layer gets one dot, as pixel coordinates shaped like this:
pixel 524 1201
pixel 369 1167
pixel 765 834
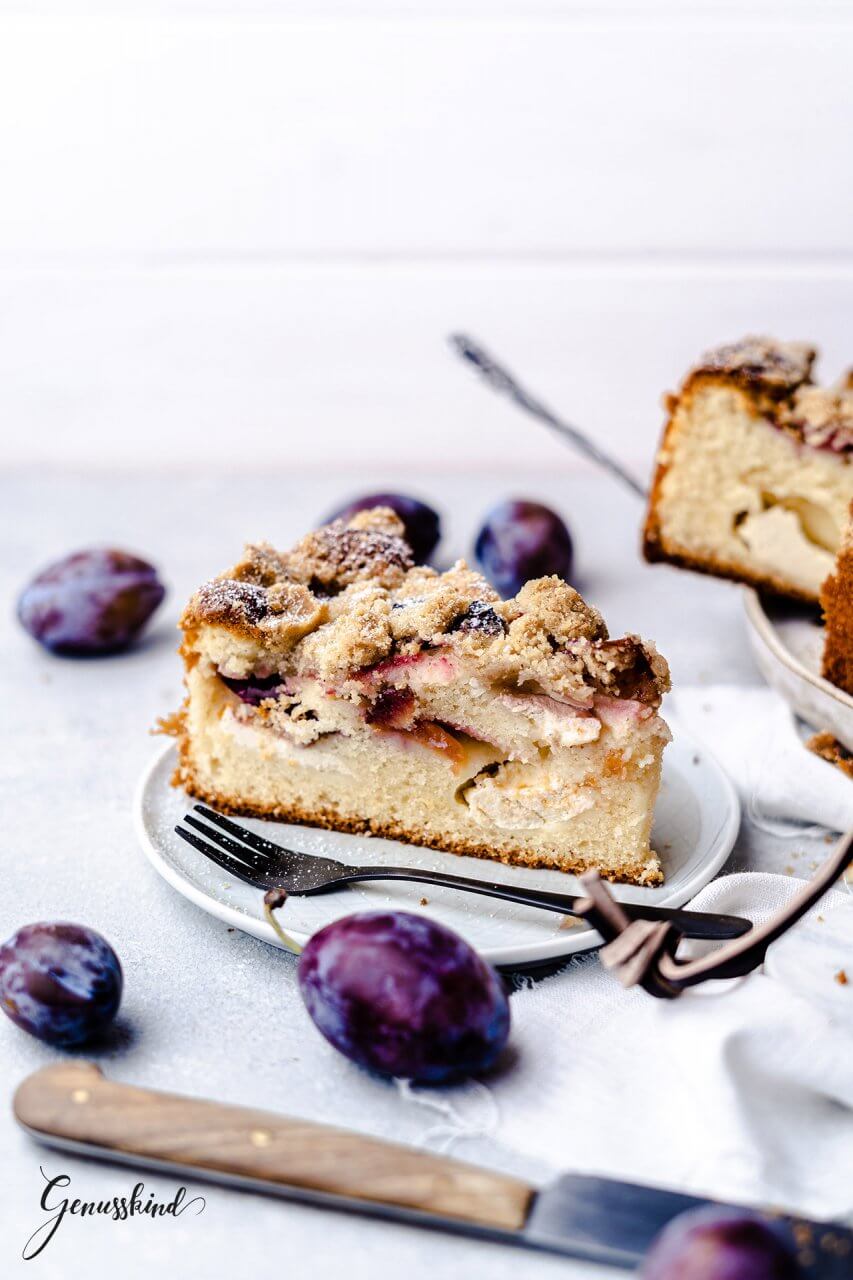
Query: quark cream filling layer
pixel 513 791
pixel 778 542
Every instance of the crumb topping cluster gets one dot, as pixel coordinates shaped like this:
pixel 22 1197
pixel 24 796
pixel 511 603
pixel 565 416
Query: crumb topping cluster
pixel 823 418
pixel 349 597
pixel 761 362
pixel 779 375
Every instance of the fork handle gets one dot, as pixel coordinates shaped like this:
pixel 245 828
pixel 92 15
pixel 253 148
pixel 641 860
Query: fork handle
pixel 693 924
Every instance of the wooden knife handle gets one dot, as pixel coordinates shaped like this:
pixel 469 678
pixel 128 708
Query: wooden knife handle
pixel 74 1101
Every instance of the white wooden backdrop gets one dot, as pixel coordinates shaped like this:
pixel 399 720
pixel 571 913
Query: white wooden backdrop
pixel 242 232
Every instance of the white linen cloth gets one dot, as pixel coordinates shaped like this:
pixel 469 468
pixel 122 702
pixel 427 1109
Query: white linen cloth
pixel 754 735
pixel 744 1089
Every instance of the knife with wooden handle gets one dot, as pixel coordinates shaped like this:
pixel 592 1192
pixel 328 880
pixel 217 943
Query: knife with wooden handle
pixel 72 1106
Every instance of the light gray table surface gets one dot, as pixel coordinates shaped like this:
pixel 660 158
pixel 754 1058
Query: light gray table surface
pixel 206 1010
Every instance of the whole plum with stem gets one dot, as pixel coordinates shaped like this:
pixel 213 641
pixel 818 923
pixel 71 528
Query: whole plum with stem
pixel 92 602
pixel 717 1244
pixel 60 982
pixel 404 996
pixel 520 540
pixel 422 523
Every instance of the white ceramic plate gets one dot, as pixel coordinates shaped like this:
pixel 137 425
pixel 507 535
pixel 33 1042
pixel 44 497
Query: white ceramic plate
pixel 787 640
pixel 695 827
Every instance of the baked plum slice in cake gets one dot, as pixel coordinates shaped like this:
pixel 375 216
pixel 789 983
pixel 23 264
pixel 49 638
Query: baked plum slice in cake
pixel 340 685
pixel 755 470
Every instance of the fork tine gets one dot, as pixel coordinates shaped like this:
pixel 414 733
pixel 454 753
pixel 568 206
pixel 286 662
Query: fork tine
pixel 242 833
pixel 223 860
pixel 259 861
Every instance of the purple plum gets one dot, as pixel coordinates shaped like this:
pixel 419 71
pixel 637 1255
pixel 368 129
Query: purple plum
pixel 404 996
pixel 718 1244
pixel 92 602
pixel 521 540
pixel 423 527
pixel 60 982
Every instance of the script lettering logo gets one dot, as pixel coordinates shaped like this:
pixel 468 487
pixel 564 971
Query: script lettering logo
pixel 118 1208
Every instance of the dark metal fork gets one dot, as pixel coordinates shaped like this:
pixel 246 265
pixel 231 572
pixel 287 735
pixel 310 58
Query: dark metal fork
pixel 265 865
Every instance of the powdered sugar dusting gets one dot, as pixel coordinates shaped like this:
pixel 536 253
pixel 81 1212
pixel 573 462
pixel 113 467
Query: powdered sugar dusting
pixel 226 599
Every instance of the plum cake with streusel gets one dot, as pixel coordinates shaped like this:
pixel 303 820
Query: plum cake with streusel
pixel 343 686
pixel 755 470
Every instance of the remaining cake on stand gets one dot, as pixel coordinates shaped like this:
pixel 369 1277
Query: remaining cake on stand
pixel 754 472
pixel 837 600
pixel 340 685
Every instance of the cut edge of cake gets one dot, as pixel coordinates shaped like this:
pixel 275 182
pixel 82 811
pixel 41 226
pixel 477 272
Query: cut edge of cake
pixel 339 685
pixel 837 602
pixel 754 470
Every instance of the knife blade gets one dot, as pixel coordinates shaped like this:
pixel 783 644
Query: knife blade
pixel 73 1107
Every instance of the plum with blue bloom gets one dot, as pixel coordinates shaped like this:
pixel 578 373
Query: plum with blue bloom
pixel 92 602
pixel 521 540
pixel 404 996
pixel 60 982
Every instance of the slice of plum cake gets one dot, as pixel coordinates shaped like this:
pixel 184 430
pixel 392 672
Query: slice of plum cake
pixel 340 685
pixel 755 470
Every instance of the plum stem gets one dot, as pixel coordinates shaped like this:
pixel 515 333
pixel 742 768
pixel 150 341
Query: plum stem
pixel 273 899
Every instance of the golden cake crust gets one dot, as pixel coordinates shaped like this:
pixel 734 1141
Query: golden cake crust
pixel 837 602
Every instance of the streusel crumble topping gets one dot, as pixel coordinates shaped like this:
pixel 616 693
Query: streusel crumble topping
pixel 824 418
pixel 762 362
pixel 348 597
pixel 779 376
